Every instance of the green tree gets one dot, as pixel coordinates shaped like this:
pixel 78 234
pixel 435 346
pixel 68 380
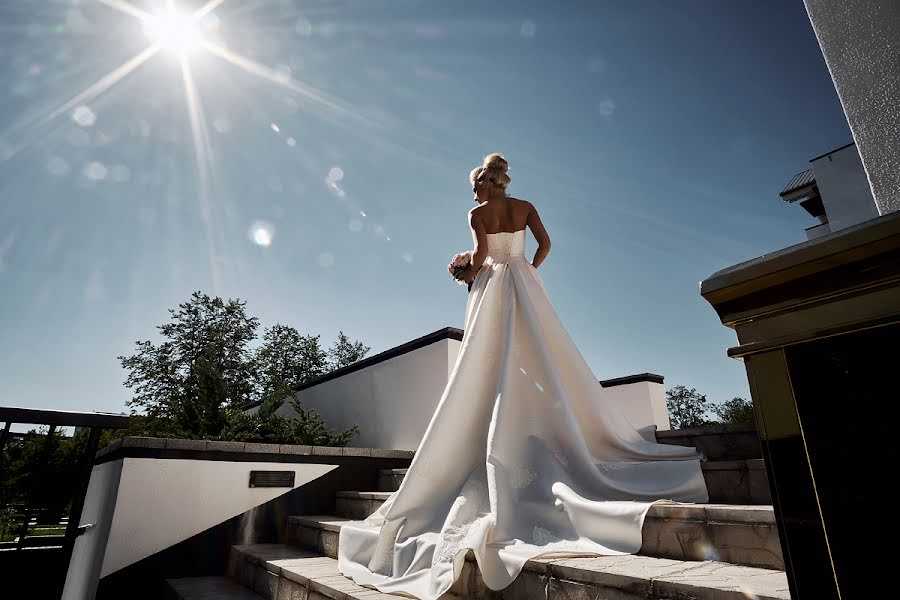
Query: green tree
pixel 735 411
pixel 195 382
pixel 287 356
pixel 687 407
pixel 344 352
pixel 202 365
pixel 306 427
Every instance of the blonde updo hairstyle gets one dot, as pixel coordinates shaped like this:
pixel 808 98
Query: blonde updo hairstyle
pixel 494 170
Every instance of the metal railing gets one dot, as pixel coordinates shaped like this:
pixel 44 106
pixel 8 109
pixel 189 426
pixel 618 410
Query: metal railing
pixel 29 512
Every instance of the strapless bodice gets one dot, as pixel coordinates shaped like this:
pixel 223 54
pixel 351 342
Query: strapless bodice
pixel 506 246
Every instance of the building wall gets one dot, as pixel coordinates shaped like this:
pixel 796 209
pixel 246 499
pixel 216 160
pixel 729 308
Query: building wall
pixel 144 505
pixel 392 401
pixel 860 40
pixel 844 188
pixel 643 403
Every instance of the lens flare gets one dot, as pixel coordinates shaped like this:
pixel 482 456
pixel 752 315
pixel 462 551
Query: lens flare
pixel 262 233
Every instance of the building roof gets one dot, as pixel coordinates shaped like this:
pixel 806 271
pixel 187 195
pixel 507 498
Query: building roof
pixel 798 181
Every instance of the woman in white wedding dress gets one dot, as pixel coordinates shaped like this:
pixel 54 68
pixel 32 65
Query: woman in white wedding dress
pixel 524 456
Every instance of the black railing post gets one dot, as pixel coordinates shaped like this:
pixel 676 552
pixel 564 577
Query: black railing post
pixel 85 469
pixel 4 435
pixel 36 481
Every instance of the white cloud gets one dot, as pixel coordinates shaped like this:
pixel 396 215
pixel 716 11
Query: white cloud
pixel 606 107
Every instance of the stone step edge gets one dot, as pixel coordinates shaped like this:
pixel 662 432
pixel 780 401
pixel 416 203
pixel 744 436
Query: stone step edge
pixel 737 543
pixel 755 514
pixel 223 588
pixel 710 465
pixel 642 576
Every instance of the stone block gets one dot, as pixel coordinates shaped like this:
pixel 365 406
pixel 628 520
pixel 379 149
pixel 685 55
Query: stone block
pixel 265 583
pixel 246 573
pixel 751 545
pixel 143 442
pixel 256 447
pixel 179 444
pixel 673 538
pixel 109 448
pixel 327 450
pixel 220 446
pixel 728 486
pixel 712 580
pixel 388 453
pixel 233 569
pixel 296 449
pixel 291 590
pixel 307 537
pixel 348 451
pixel 570 590
pixel 328 543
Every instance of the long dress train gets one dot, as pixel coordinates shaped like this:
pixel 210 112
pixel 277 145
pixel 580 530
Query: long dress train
pixel 524 456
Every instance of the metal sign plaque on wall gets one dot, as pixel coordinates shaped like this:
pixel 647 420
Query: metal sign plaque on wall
pixel 271 479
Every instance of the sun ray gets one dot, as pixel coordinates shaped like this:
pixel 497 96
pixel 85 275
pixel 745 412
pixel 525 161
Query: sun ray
pixel 127 8
pixel 200 137
pixel 89 93
pixel 206 9
pixel 254 68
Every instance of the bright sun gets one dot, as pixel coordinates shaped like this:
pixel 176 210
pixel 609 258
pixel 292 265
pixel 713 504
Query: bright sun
pixel 174 31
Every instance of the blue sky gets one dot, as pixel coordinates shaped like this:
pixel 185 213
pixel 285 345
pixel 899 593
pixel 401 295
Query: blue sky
pixel 323 176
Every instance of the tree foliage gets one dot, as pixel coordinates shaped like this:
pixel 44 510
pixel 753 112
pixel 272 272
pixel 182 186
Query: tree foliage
pixel 194 383
pixel 735 411
pixel 687 407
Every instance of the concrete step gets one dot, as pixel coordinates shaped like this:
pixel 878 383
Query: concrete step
pixel 209 588
pixel 728 481
pixel 288 572
pixel 740 535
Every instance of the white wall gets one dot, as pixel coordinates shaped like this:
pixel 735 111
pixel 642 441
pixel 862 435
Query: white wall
pixel 643 402
pixel 391 401
pixel 87 555
pixel 146 505
pixel 860 40
pixel 844 188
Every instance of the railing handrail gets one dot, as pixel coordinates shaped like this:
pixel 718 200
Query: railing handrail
pixel 62 418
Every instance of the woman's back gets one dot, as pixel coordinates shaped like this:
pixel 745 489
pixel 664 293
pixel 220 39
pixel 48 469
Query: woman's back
pixel 504 214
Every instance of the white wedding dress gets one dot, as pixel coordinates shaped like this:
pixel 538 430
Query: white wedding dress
pixel 524 456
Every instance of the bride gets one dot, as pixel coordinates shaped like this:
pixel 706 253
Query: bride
pixel 524 456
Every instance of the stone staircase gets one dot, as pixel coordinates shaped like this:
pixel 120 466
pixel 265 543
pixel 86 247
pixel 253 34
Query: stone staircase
pixel 726 550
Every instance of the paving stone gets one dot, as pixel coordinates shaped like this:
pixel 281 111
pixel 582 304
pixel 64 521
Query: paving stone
pixel 722 581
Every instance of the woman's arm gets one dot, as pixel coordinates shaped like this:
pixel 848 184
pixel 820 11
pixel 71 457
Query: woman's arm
pixel 479 252
pixel 540 235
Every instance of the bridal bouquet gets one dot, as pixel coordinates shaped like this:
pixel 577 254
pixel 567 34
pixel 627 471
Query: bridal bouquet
pixel 458 266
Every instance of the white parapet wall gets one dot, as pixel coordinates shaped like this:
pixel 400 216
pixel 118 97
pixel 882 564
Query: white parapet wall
pixel 136 507
pixel 392 395
pixel 641 398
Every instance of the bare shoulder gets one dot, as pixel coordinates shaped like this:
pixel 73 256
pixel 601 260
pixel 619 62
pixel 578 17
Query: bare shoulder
pixel 475 215
pixel 523 206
